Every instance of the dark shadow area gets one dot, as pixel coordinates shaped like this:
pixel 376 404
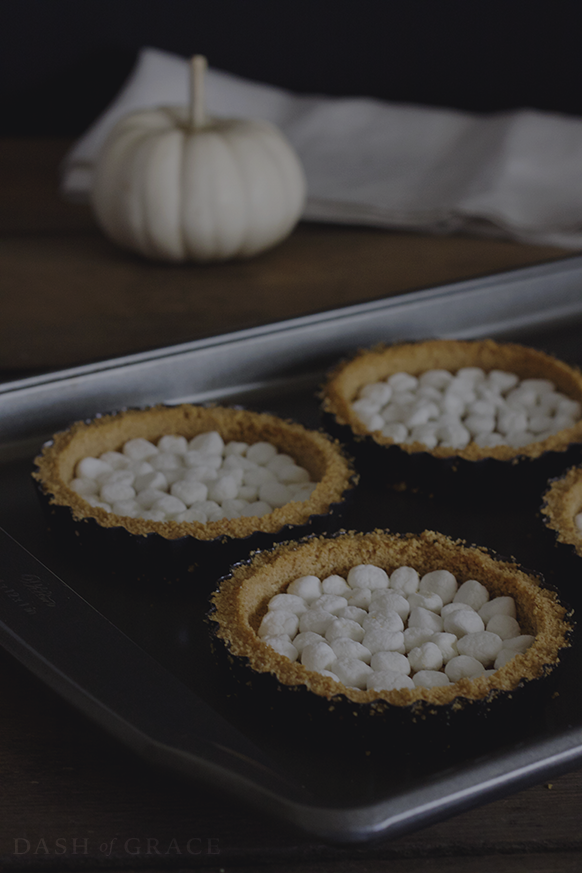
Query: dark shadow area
pixel 62 62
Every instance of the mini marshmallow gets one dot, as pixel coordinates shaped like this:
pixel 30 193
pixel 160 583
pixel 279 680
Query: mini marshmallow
pixel 387 620
pixel 463 667
pixel 389 680
pixel 430 679
pixel 439 379
pixel 192 514
pixel 151 514
pixel 116 460
pixel 518 644
pixel 147 498
pixel 389 600
pixel 210 443
pixel 425 434
pixel 288 602
pixel 116 476
pixel 139 449
pixel 354 613
pixel 278 623
pixel 235 447
pixel 361 597
pixel 91 468
pixel 233 508
pixel 343 627
pixel 405 580
pixel 315 620
pixel 394 661
pixel 402 382
pixel 303 491
pixel 428 656
pixel 129 508
pixel 472 593
pixel 463 621
pixel 329 674
pixel 335 585
pixel 275 493
pixel 201 473
pixel 261 453
pixel 378 640
pixel 447 643
pixel 174 444
pixel 424 618
pixel 345 647
pixel 258 508
pixel 318 656
pixel 395 431
pixel 113 491
pixel 169 505
pixel 302 639
pixel 307 587
pixel 352 672
pixel 189 492
pixel 454 437
pixel 378 392
pixel 278 461
pixel 484 646
pixel 367 576
pixel 502 380
pixel 503 605
pixel 248 492
pixel 223 488
pixel 293 474
pixel 429 600
pixel 155 479
pixel 442 582
pixel 194 458
pixel 489 440
pixel 283 646
pixel 449 608
pixel 330 603
pixel 416 636
pixel 84 486
pixel 504 626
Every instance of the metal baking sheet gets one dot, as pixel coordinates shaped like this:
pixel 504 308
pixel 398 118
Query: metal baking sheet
pixel 171 703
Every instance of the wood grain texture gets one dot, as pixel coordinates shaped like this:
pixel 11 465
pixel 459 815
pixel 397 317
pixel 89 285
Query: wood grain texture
pixel 70 797
pixel 70 296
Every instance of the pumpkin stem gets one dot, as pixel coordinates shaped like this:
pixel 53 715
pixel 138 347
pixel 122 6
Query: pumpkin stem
pixel 197 108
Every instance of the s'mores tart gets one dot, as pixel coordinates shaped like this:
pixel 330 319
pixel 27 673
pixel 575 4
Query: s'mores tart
pixel 562 512
pixel 193 479
pixel 446 405
pixel 371 623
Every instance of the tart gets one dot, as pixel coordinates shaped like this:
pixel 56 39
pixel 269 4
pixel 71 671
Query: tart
pixel 536 456
pixel 242 601
pixel 191 541
pixel 562 510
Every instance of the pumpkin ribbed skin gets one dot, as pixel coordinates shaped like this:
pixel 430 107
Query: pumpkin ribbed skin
pixel 228 189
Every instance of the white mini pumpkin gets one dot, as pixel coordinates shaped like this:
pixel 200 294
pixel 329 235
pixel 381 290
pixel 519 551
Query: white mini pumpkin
pixel 173 184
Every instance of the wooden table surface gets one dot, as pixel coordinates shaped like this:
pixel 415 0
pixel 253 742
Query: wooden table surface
pixel 70 797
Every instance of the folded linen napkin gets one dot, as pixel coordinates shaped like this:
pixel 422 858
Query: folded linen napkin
pixel 512 174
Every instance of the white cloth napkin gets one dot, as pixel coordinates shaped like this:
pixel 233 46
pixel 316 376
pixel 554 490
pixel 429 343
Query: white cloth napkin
pixel 511 174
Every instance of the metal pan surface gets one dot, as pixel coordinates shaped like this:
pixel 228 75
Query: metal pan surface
pixel 74 626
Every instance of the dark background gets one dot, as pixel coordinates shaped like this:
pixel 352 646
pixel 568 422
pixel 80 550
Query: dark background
pixel 61 61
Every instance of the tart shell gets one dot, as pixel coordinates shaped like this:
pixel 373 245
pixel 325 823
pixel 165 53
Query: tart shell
pixel 528 467
pixel 561 503
pixel 167 546
pixel 242 598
